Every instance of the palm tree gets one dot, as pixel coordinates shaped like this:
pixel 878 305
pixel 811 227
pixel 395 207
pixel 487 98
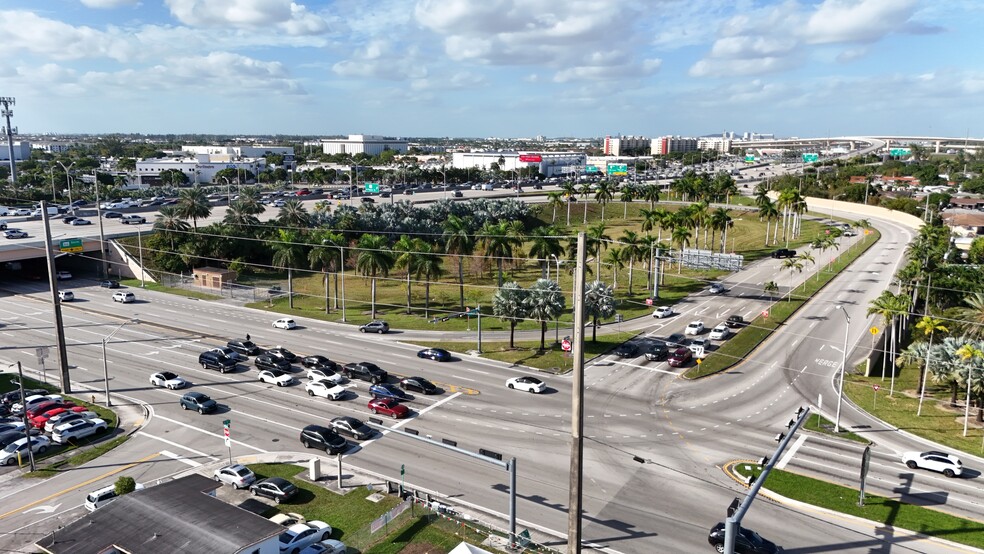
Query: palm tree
pixel 288 251
pixel 193 204
pixel 792 264
pixel 430 267
pixel 929 326
pixel 325 258
pixel 239 214
pixel 458 242
pixel 544 301
pixel 650 193
pixel 631 249
pixel 699 217
pixel 169 222
pixel 970 354
pixel 599 302
pixel 770 288
pixel 680 238
pixel 597 241
pixel 544 244
pixel 971 318
pixel 509 305
pixel 604 195
pixel 890 307
pixel 374 259
pixel 720 221
pixel 293 214
pixel 569 190
pixel 628 195
pixel 498 240
pixel 555 199
pixel 408 257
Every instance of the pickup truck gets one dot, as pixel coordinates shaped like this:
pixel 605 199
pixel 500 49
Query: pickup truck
pixel 784 253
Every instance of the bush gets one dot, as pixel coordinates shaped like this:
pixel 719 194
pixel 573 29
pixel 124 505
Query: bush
pixel 124 485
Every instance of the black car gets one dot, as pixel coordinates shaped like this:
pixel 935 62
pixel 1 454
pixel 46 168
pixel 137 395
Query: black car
pixel 317 436
pixel 68 219
pixel 735 321
pixel 277 488
pixel 112 215
pixel 197 401
pixel 14 396
pixel 420 385
pixel 676 340
pixel 365 371
pixel 436 354
pixel 351 427
pixel 657 351
pixel 109 284
pixel 244 347
pixel 311 362
pixel 627 350
pixel 784 253
pixel 266 361
pixel 282 353
pixel 746 541
pixel 216 360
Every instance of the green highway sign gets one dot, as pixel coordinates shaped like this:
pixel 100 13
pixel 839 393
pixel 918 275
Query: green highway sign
pixel 618 169
pixel 372 187
pixel 810 157
pixel 591 169
pixel 70 245
pixel 899 151
pixel 749 158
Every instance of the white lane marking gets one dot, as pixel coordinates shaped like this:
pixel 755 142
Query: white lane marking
pixel 211 434
pixel 176 445
pixel 792 452
pixel 181 459
pixel 427 409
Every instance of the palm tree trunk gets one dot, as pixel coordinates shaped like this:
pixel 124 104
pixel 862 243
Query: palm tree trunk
pixel 427 299
pixel 408 292
pixel 543 335
pixel 768 220
pixel 336 291
pixel 625 211
pixel 631 259
pixel 568 212
pixel 585 221
pixel 327 288
pixel 461 281
pixel 603 204
pixel 373 308
pixel 512 333
pixel 498 263
pixel 594 329
pixel 290 288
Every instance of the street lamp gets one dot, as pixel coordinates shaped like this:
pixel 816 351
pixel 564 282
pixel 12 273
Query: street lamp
pixel 143 285
pixel 68 179
pixel 105 363
pixel 840 384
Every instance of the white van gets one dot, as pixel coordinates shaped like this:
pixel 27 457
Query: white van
pixel 488 186
pixel 100 497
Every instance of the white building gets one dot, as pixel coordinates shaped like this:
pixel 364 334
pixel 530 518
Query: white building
pixel 550 164
pixel 199 170
pixel 722 145
pixel 22 151
pixel 221 154
pixel 666 145
pixel 622 145
pixel 54 147
pixel 371 145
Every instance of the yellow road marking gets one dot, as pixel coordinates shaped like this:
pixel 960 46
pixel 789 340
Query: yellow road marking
pixel 89 482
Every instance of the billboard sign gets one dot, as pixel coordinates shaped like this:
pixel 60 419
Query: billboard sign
pixel 530 158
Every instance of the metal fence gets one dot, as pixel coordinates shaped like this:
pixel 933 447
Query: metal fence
pixel 228 290
pixel 707 259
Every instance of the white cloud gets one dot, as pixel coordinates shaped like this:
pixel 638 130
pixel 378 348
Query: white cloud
pixel 105 4
pixel 380 60
pixel 55 40
pixel 840 21
pixel 248 14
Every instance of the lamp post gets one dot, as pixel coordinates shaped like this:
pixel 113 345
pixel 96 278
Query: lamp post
pixel 68 179
pixel 143 285
pixel 109 402
pixel 840 384
pixel 27 426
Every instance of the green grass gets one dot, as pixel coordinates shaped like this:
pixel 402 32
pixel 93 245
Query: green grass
pixel 350 515
pixel 820 424
pixel 135 283
pixel 878 509
pixel 737 348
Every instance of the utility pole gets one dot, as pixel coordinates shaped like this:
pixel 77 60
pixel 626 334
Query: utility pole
pixel 103 268
pixel 577 405
pixel 27 425
pixel 66 381
pixel 6 112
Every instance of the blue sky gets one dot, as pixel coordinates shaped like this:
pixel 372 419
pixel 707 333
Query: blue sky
pixel 503 68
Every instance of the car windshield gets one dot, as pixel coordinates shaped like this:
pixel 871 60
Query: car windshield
pixel 168 375
pixel 275 372
pixel 203 398
pixel 248 344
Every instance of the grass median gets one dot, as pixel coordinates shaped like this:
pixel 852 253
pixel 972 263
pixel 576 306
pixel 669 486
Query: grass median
pixel 882 510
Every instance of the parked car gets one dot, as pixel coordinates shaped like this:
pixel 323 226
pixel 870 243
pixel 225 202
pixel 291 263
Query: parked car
pixel 783 253
pixel 527 383
pixel 735 321
pixel 351 427
pixel 720 332
pixel 746 541
pixel 365 371
pixel 389 407
pixel 282 353
pixel 657 351
pixel 276 488
pixel 325 389
pixel 287 519
pixel 319 436
pixel 65 417
pixel 663 311
pixel 109 284
pixel 216 360
pixel 167 380
pixel 934 460
pixel 198 401
pixel 436 354
pixel 386 390
pixel 124 297
pixel 237 475
pixel 327 546
pixel 419 384
pixel 681 356
pixel 694 328
pixel 78 429
pixel 627 350
pixel 268 362
pixel 100 497
pixel 66 295
pixel 285 323
pixel 16 452
pixel 375 327
pixel 244 347
pixel 301 535
pixel 275 377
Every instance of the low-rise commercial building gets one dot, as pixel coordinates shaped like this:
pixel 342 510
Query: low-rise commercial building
pixel 668 145
pixel 550 164
pixel 371 145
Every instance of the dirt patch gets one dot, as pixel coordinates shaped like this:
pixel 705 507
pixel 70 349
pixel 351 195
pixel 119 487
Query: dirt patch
pixel 422 548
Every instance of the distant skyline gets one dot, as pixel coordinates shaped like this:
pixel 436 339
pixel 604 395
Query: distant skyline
pixel 503 68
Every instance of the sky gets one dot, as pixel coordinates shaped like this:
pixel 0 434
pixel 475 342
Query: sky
pixel 495 68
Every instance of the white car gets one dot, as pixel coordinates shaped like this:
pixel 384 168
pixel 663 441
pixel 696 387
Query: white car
pixel 63 275
pixel 78 429
pixel 694 328
pixel 700 347
pixel 325 389
pixel 23 211
pixel 322 374
pixel 32 401
pixel 230 353
pixel 9 455
pixel 65 417
pixel 527 383
pixel 329 546
pixel 66 295
pixel 237 475
pixel 276 377
pixel 124 297
pixel 301 535
pixel 663 311
pixel 934 460
pixel 285 323
pixel 167 380
pixel 720 332
pixel 716 288
pixel 287 519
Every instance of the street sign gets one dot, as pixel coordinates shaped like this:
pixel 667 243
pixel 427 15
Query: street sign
pixel 565 345
pixel 372 187
pixel 42 352
pixel 591 169
pixel 618 169
pixel 70 245
pixel 876 387
pixel 523 539
pixel 810 157
pixel 749 158
pixel 225 432
pixel 649 301
pixel 873 330
pixel 403 469
pixel 899 152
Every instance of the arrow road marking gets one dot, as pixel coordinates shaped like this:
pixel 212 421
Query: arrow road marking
pixel 42 509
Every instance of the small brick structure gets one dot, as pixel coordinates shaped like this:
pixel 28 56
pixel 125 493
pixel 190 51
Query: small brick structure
pixel 214 277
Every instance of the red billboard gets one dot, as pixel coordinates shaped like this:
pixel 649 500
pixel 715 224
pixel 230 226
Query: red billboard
pixel 530 158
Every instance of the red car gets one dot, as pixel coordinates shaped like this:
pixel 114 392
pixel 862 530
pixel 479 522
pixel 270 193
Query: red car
pixel 302 192
pixel 388 406
pixel 45 406
pixel 39 421
pixel 679 357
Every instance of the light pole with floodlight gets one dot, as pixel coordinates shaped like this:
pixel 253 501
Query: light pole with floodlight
pixel 840 384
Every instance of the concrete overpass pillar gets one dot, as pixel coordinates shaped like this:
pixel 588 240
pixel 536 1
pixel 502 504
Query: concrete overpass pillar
pixel 938 146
